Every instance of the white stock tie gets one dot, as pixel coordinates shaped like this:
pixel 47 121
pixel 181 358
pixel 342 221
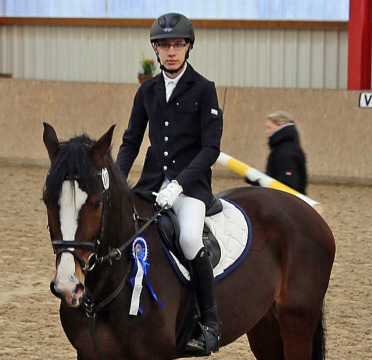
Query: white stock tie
pixel 169 89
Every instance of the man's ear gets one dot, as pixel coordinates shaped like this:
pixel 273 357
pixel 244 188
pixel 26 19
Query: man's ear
pixel 155 47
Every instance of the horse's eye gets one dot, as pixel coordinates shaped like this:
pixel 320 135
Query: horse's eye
pixel 97 205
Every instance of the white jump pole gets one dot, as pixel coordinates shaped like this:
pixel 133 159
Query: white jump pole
pixel 263 180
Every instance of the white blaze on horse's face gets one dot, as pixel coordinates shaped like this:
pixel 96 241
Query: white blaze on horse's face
pixel 71 200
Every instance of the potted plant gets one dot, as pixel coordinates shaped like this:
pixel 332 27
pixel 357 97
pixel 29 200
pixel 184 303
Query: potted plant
pixel 148 69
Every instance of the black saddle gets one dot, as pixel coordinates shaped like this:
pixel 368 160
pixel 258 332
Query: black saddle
pixel 170 231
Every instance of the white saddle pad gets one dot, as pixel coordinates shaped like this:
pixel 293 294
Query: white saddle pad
pixel 231 227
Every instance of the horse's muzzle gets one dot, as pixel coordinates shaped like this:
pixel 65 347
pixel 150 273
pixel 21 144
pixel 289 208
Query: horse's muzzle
pixel 71 297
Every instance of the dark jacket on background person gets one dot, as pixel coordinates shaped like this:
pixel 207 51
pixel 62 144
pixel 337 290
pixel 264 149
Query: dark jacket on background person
pixel 286 162
pixel 184 133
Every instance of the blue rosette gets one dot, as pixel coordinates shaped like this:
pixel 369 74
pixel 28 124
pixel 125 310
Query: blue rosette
pixel 140 256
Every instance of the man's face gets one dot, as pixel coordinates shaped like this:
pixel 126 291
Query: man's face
pixel 172 52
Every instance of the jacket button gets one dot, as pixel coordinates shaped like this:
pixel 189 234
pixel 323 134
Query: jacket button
pixel 165 138
pixel 165 167
pixel 166 123
pixel 165 153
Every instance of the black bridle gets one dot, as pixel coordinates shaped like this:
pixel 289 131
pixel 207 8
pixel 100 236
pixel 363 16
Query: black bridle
pixel 65 246
pixel 70 246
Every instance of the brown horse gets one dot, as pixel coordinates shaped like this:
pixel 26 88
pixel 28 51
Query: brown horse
pixel 275 295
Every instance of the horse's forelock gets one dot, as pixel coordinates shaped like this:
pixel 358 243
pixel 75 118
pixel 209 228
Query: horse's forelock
pixel 71 163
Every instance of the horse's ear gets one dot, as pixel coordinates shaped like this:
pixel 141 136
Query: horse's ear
pixel 101 148
pixel 51 141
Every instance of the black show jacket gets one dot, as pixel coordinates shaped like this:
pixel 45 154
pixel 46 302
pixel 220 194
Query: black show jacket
pixel 185 134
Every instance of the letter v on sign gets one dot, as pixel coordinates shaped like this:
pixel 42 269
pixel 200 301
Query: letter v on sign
pixel 365 100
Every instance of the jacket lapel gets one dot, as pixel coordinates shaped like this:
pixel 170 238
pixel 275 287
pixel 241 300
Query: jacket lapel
pixel 182 85
pixel 160 90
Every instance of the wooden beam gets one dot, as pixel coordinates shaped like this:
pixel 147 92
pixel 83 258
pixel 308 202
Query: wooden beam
pixel 198 23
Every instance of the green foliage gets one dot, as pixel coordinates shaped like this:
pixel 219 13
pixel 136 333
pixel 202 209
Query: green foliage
pixel 148 67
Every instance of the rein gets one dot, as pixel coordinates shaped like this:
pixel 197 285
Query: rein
pixel 115 254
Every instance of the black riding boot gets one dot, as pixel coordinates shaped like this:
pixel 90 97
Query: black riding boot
pixel 203 283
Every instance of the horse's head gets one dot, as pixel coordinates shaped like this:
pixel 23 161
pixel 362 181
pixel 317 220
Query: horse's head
pixel 75 197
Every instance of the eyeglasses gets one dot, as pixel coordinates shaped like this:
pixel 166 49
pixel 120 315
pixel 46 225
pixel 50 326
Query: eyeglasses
pixel 176 46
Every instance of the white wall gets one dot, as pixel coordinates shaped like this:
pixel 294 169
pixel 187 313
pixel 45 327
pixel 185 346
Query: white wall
pixel 290 58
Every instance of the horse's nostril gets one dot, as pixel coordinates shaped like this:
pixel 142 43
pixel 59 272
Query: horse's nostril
pixel 79 289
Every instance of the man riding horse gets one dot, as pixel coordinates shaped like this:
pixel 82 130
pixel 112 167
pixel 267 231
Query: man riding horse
pixel 185 129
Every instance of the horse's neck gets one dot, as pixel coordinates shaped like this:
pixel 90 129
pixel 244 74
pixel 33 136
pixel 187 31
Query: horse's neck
pixel 119 221
pixel 124 220
pixel 142 208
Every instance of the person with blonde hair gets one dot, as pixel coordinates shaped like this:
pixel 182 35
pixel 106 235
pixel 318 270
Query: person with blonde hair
pixel 287 161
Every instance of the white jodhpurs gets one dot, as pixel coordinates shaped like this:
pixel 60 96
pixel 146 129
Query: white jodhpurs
pixel 190 214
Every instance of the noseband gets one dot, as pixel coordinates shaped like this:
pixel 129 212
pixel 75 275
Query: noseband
pixel 70 246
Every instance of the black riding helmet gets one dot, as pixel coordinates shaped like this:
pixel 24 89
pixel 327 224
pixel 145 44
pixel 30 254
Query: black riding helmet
pixel 171 26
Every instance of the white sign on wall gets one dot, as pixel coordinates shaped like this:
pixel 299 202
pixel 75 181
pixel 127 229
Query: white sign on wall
pixel 365 100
